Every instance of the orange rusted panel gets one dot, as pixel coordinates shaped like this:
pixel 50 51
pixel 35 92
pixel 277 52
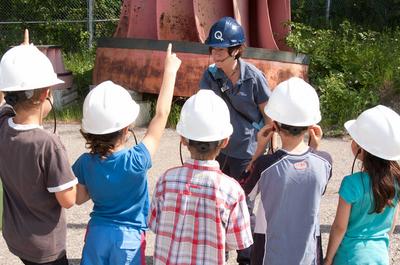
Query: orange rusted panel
pixel 141 70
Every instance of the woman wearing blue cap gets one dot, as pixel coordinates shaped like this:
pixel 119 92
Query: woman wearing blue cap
pixel 245 90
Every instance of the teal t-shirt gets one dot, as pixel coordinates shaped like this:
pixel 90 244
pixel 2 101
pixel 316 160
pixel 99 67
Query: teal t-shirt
pixel 366 240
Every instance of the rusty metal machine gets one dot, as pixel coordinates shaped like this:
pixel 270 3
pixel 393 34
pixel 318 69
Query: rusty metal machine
pixel 134 57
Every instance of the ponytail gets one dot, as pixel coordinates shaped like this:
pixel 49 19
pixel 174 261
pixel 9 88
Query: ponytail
pixel 385 177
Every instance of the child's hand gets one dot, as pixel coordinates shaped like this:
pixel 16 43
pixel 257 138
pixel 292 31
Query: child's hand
pixel 26 37
pixel 315 133
pixel 265 134
pixel 172 63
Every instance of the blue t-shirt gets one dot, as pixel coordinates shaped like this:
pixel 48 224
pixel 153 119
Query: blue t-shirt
pixel 366 240
pixel 250 90
pixel 117 186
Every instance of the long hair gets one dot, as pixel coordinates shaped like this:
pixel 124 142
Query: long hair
pixel 103 144
pixel 385 177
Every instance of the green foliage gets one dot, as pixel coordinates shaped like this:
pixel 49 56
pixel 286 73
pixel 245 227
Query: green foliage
pixel 350 67
pixel 176 108
pixel 56 22
pixel 70 113
pixel 81 64
pixel 372 14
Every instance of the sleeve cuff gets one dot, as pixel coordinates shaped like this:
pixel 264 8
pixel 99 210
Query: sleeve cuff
pixel 63 186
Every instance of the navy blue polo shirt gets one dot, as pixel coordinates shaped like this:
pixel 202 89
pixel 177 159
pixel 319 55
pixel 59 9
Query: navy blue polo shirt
pixel 249 91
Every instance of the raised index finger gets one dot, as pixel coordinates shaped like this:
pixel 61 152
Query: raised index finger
pixel 169 49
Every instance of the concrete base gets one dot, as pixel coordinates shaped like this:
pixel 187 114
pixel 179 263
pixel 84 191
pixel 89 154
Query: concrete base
pixel 144 117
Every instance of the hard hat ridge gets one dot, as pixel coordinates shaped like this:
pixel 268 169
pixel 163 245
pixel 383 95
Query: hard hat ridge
pixel 376 130
pixel 294 102
pixel 205 117
pixel 108 108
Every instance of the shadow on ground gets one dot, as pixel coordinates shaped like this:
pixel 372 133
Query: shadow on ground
pixel 149 261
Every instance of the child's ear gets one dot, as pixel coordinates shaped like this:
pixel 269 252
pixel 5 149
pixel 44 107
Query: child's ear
pixel 224 143
pixel 44 95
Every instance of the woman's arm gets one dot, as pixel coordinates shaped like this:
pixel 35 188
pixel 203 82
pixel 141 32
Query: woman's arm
pixel 338 230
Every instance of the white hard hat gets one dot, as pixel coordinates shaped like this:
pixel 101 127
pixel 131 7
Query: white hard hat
pixel 24 67
pixel 294 102
pixel 205 118
pixel 108 108
pixel 377 131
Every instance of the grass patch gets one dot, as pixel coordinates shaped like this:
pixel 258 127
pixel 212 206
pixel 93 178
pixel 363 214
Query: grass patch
pixel 70 113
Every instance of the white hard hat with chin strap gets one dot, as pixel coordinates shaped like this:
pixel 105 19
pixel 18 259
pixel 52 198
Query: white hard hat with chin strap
pixel 108 108
pixel 24 68
pixel 294 102
pixel 205 117
pixel 377 131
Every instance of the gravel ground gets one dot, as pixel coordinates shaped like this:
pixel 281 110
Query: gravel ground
pixel 168 156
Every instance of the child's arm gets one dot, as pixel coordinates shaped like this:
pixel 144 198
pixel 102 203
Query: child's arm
pixel 263 137
pixel 338 230
pixel 82 194
pixel 157 125
pixel 67 197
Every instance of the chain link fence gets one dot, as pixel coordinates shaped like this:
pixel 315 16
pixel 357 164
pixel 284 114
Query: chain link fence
pixel 73 24
pixel 77 24
pixel 371 14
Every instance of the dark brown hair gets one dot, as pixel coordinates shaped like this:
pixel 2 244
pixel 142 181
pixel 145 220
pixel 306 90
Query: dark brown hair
pixel 102 144
pixel 385 176
pixel 202 150
pixel 240 49
pixel 292 130
pixel 24 99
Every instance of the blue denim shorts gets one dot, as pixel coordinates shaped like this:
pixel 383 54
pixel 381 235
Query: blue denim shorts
pixel 113 245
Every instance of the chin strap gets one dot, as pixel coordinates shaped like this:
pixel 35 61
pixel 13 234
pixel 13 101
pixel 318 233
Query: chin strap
pixel 354 161
pixel 133 133
pixel 54 115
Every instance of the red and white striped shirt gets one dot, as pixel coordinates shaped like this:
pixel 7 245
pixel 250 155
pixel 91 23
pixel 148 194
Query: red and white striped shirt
pixel 198 213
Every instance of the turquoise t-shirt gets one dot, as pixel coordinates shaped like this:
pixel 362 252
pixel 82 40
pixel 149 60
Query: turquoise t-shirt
pixel 366 240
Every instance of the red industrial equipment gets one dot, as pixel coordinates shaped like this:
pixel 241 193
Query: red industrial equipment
pixel 134 57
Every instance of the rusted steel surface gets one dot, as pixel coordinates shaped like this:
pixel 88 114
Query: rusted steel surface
pixel 241 14
pixel 191 20
pixel 175 20
pixel 280 14
pixel 53 52
pixel 138 19
pixel 264 30
pixel 141 69
pixel 208 12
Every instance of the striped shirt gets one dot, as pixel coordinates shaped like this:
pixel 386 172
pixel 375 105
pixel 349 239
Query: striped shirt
pixel 198 213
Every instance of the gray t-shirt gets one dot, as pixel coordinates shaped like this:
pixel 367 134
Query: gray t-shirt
pixel 250 90
pixel 33 166
pixel 291 188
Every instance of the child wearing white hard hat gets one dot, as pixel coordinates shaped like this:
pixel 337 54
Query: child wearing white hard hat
pixel 37 178
pixel 197 212
pixel 368 199
pixel 113 175
pixel 292 180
